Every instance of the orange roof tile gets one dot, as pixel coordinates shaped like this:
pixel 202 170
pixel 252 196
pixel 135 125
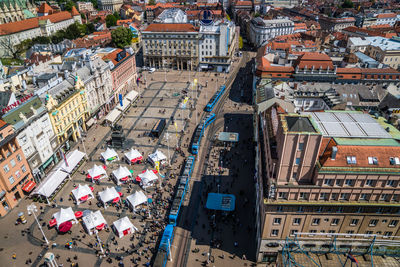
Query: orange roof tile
pixel 2 123
pixel 113 56
pixel 386 15
pixel 243 3
pixel 170 27
pixel 45 8
pixel 27 24
pixel 74 12
pixel 314 59
pixel 348 70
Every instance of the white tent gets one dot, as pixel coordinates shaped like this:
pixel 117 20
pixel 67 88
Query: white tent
pixel 109 155
pixel 122 174
pixel 73 160
pixel 93 220
pixel 97 172
pixel 50 184
pixel 157 156
pixel 82 191
pixel 108 195
pixel 113 116
pixel 132 95
pixel 64 215
pixel 147 178
pixel 136 199
pixel 124 227
pixel 133 156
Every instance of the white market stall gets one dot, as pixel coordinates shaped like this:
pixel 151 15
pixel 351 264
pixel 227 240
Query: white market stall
pixel 94 221
pixel 110 155
pixel 121 175
pixel 132 96
pixel 124 227
pixel 108 195
pixel 136 199
pixel 97 173
pixel 82 193
pixel 113 116
pixel 133 156
pixel 147 178
pixel 125 104
pixel 64 219
pixel 159 157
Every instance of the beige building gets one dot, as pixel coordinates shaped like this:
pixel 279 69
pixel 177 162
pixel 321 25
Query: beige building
pixel 325 172
pixel 384 54
pixel 336 24
pixel 172 45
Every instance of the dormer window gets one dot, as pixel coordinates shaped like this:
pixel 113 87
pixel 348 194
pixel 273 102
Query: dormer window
pixel 351 160
pixel 372 161
pixel 394 161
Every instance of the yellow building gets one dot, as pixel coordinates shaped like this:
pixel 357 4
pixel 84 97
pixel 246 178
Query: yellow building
pixel 68 110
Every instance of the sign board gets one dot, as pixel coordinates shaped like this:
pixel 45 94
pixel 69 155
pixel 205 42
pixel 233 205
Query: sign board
pixel 16 103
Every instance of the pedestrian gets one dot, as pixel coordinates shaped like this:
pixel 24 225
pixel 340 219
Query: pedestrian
pixel 14 256
pixel 244 257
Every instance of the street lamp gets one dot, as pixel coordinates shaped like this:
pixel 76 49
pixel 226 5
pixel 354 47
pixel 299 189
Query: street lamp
pixel 167 137
pixel 165 70
pixel 31 210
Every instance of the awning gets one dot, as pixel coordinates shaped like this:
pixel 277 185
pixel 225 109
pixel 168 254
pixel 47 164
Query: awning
pixel 125 104
pixel 28 187
pixel 90 122
pixel 132 95
pixel 224 202
pixel 49 185
pixel 113 115
pixel 73 159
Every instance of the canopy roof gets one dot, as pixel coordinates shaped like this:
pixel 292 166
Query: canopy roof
pixel 137 198
pixel 216 201
pixel 133 154
pixel 148 176
pixel 93 219
pixel 123 224
pixel 81 191
pixel 121 172
pixel 109 154
pixel 97 171
pixel 64 215
pixel 157 156
pixel 73 159
pixel 109 194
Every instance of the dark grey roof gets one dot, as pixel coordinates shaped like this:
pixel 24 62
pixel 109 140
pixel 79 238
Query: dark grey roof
pixel 299 124
pixel 389 101
pixel 5 98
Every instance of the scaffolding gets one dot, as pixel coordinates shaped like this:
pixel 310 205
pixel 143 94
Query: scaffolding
pixel 336 249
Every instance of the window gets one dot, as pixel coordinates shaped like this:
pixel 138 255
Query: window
pixel 277 220
pixel 368 232
pixel 383 197
pixel 23 168
pixel 316 221
pixel 349 182
pixel 354 222
pixel 351 160
pixel 319 209
pixel 279 208
pixel 300 209
pixel 296 221
pixel 294 175
pixel 297 161
pixel 369 182
pixel 394 161
pixel 281 195
pixel 338 182
pixel 372 161
pixel 17 174
pixel 393 223
pixel 390 183
pixel 11 179
pixel 363 197
pixel 360 210
pixel 19 157
pixel 373 222
pixel 387 234
pixel 301 146
pixel 339 210
pixel 335 222
pixel 12 162
pixel 343 196
pixel 274 232
pixel 328 182
pixel 293 232
pixel 322 196
pixel 6 169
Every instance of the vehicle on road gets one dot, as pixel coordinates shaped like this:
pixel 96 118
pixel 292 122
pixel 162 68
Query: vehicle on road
pixel 199 132
pixel 214 100
pixel 158 128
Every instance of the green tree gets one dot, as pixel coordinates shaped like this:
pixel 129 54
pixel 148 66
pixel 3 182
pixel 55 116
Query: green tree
pixel 94 2
pixel 41 40
pixel 152 2
pixel 347 4
pixel 90 28
pixel 121 37
pixel 111 21
pixel 117 16
pixel 73 31
pixel 58 37
pixel 68 6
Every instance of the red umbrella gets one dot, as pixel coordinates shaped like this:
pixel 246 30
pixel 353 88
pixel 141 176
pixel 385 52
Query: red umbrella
pixel 100 226
pixel 65 227
pixel 88 176
pixel 115 200
pixel 120 194
pixel 138 179
pixel 91 188
pixel 125 179
pixel 97 177
pixel 84 198
pixel 78 214
pixel 52 222
pixel 104 167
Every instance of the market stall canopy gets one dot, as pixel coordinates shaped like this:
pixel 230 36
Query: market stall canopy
pixel 49 184
pixel 147 176
pixel 108 195
pixel 132 95
pixel 28 187
pixel 82 191
pixel 65 227
pixel 137 198
pixel 124 226
pixel 157 156
pixel 73 160
pixel 133 155
pixel 64 215
pixel 110 154
pixel 93 220
pixel 121 172
pixel 97 171
pixel 113 115
pixel 125 104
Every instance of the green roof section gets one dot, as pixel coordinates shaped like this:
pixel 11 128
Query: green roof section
pixel 392 130
pixel 13 117
pixel 366 141
pixel 28 14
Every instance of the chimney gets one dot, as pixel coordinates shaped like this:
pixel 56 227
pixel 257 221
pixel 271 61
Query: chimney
pixel 334 152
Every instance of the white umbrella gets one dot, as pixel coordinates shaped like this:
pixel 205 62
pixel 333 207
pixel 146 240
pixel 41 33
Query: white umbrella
pixel 124 226
pixel 82 191
pixel 109 194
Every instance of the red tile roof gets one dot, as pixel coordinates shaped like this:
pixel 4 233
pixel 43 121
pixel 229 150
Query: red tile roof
pixel 348 70
pixel 243 3
pixel 27 24
pixel 386 15
pixel 45 8
pixel 2 123
pixel 74 12
pixel 170 27
pixel 113 56
pixel 314 59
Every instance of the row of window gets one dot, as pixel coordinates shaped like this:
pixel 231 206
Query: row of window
pixel 12 163
pixel 275 232
pixel 342 196
pixel 351 182
pixel 8 152
pixel 335 221
pixel 320 209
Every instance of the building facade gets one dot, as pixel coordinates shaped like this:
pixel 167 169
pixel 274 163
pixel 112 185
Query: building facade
pixel 262 31
pixel 325 172
pixel 68 110
pixel 11 11
pixel 336 24
pixel 35 135
pixel 112 5
pixel 172 45
pixel 85 6
pixel 217 45
pixel 14 169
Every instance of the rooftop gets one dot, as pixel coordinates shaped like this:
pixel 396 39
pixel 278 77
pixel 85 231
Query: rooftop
pixel 299 124
pixel 170 27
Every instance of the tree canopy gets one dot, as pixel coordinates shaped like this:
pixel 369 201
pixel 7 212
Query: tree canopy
pixel 111 20
pixel 121 37
pixel 347 4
